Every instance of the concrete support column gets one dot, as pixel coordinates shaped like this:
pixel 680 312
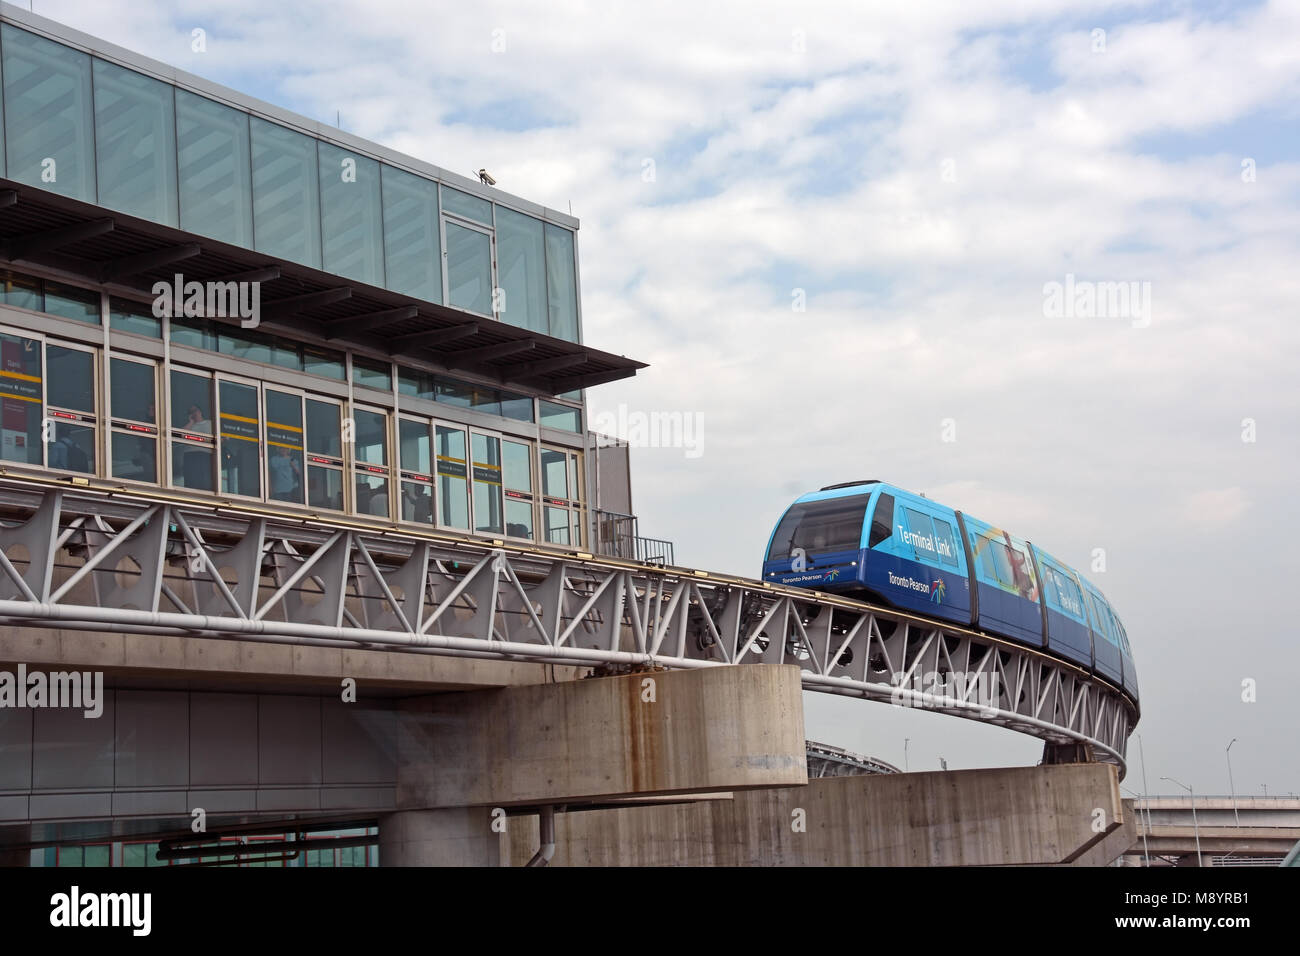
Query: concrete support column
pixel 461 836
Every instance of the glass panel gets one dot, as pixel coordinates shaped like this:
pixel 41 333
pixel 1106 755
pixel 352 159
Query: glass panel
pixel 453 497
pixel 417 502
pixel 575 484
pixel 286 197
pixel 516 458
pixel 820 527
pixel 352 224
pixel 191 402
pixel 72 379
pixel 371 437
pixel 416 446
pixel 48 120
pixel 945 542
pixel 469 269
pixel 518 407
pixel 412 253
pixel 135 457
pixel 324 435
pixel 487 484
pixel 244 344
pixel 518 480
pixel 135 143
pixel 21 291
pixel 73 448
pixel 882 521
pixel 215 173
pixel 284 446
pixel 557 525
pixel 555 474
pixel 521 270
pixel 372 495
pixel 126 316
pixel 463 204
pixel 325 487
pixel 519 518
pixel 323 362
pixel 285 354
pixel 371 374
pixel 132 387
pixel 71 302
pixel 561 283
pixel 196 333
pixel 192 462
pixel 558 416
pixel 240 441
pixel 416 383
pixel 20 399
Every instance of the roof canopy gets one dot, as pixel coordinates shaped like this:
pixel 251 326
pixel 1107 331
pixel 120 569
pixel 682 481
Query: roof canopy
pixel 129 255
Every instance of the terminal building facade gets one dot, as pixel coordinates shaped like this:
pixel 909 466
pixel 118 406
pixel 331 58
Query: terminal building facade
pixel 206 298
pixel 208 295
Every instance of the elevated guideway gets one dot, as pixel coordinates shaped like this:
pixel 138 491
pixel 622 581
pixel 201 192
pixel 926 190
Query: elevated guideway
pixel 93 555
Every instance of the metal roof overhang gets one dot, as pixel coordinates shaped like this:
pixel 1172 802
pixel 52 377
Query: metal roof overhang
pixel 128 255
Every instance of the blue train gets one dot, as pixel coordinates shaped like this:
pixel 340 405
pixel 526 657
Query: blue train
pixel 880 542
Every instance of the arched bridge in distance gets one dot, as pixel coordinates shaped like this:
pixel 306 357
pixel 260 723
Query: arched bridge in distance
pixel 134 561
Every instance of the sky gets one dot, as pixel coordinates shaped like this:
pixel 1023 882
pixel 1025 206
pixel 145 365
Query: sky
pixel 890 241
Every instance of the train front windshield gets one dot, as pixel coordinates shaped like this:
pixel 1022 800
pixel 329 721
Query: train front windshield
pixel 820 527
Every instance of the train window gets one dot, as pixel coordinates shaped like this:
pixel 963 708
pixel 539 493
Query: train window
pixel 370 449
pixel 415 451
pixel 70 397
pixel 821 527
pixel 921 537
pixel 945 542
pixel 133 414
pixel 1101 625
pixel 1022 572
pixel 284 447
pixel 1068 594
pixel 324 455
pixel 516 459
pixel 1000 557
pixel 192 439
pixel 240 436
pixel 487 484
pixel 882 522
pixel 453 485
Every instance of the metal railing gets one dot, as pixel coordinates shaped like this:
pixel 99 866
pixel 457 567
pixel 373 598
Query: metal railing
pixel 616 536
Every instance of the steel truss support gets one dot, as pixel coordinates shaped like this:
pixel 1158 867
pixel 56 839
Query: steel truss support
pixel 162 567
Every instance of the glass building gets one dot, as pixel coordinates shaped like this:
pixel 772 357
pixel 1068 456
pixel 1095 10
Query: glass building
pixel 208 294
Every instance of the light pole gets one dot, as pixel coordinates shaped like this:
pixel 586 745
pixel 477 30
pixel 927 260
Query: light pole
pixel 906 741
pixel 1231 788
pixel 1146 791
pixel 1146 851
pixel 1195 826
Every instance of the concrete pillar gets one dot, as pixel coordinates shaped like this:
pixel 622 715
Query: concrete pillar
pixel 664 732
pixel 462 836
pixel 1000 817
